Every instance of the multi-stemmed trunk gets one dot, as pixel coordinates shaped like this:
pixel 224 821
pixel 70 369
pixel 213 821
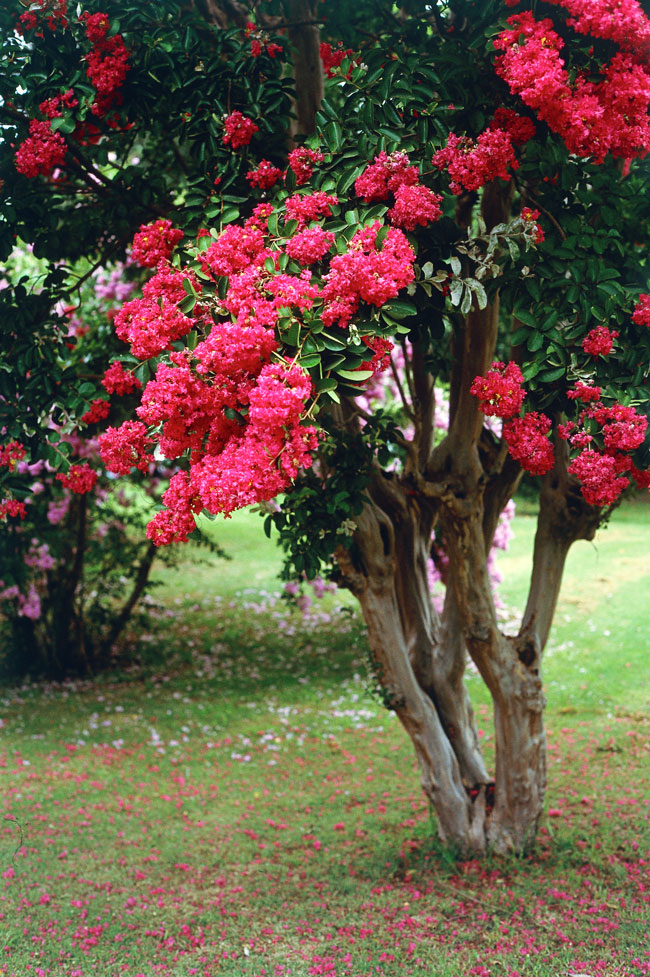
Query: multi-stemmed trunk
pixel 460 487
pixel 420 657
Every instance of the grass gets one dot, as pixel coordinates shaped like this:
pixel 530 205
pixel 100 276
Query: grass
pixel 249 809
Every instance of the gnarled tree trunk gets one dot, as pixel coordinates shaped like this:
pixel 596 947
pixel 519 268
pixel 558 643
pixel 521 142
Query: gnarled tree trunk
pixel 461 486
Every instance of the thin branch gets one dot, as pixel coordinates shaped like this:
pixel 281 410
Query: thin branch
pixel 529 195
pixel 408 372
pixel 398 383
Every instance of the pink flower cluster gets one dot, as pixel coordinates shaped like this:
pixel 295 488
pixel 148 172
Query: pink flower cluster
pixel 108 62
pixel 52 108
pixel 502 395
pixel 385 176
pixel 123 448
pixel 79 479
pixel 415 206
pixel 471 164
pixel 623 22
pixel 519 127
pixel 382 348
pixel 117 380
pixel 368 271
pixel 56 10
pixel 332 57
pixel 528 443
pixel 41 152
pixel 155 242
pixel 500 391
pixel 151 326
pixel 302 161
pixel 310 245
pixel 601 480
pixel 585 393
pixel 234 249
pixel 265 176
pixel 99 411
pixel 622 428
pixel 11 454
pixel 641 314
pixel 599 341
pixel 308 207
pixel 592 117
pixel 237 413
pixel 243 463
pixel 11 507
pixel 603 474
pixel 260 42
pixel 530 216
pixel 239 130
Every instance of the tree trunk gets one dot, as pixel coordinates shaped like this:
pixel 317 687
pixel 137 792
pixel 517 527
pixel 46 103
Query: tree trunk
pixel 520 743
pixel 371 575
pixel 460 486
pixel 304 36
pixel 122 617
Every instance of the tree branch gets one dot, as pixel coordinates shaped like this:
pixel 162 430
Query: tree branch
pixel 564 517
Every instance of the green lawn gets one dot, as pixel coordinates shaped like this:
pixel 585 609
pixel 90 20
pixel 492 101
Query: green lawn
pixel 250 809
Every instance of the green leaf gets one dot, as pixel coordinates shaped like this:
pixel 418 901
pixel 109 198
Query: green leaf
pixel 307 362
pixel 400 309
pixel 293 335
pixel 333 342
pixel 326 384
pixel 187 304
pixel 548 376
pixel 63 124
pixel 530 370
pixel 359 375
pixel 526 317
pixel 229 214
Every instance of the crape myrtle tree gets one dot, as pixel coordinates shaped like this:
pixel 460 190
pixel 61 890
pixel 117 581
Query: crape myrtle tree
pixel 460 201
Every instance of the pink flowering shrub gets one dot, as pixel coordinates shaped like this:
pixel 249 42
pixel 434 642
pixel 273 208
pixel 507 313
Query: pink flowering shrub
pixel 592 117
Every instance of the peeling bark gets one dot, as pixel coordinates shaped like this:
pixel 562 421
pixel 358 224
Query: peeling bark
pixel 520 743
pixel 371 577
